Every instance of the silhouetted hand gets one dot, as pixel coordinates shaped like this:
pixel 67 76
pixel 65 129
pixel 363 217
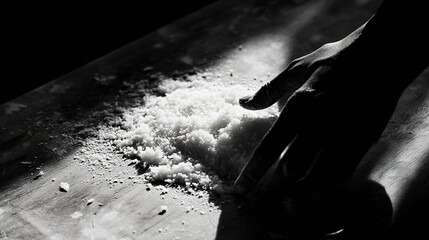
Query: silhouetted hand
pixel 328 124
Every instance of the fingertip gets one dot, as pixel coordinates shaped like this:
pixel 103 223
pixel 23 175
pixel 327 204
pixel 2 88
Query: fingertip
pixel 266 96
pixel 255 102
pixel 246 102
pixel 245 99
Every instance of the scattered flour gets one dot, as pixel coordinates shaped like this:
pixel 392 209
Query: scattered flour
pixel 189 132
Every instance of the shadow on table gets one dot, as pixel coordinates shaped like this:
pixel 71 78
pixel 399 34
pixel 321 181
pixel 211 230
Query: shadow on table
pixel 353 211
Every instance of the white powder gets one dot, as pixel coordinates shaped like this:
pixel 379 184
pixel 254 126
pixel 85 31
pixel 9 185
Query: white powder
pixel 76 215
pixel 190 133
pixel 64 187
pixel 193 134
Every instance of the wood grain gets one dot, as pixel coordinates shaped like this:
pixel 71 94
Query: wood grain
pixel 252 39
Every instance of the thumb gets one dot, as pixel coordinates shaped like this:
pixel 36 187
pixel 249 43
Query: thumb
pixel 281 86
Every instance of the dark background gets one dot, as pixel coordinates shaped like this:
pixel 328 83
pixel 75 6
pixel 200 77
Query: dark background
pixel 43 40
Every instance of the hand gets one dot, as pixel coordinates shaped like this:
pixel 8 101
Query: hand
pixel 327 125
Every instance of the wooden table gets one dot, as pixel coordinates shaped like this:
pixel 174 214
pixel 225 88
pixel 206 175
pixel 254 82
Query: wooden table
pixel 250 38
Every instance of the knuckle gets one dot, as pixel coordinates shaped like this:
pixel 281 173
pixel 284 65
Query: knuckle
pixel 298 66
pixel 307 105
pixel 302 96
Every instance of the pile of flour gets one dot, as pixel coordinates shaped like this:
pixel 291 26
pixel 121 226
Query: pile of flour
pixel 192 133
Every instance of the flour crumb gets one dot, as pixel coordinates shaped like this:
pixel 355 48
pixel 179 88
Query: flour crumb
pixel 164 209
pixel 39 175
pixel 90 201
pixel 64 187
pixel 76 215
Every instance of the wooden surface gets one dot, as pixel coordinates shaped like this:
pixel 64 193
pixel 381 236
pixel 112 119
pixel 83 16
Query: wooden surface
pixel 249 38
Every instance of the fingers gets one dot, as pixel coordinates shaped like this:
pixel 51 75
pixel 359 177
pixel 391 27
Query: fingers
pixel 274 142
pixel 265 155
pixel 283 85
pixel 293 164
